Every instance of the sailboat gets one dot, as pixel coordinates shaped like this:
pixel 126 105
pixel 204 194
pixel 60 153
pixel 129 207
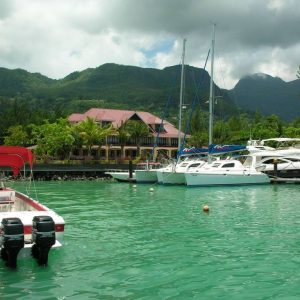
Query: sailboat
pixel 228 171
pixel 174 172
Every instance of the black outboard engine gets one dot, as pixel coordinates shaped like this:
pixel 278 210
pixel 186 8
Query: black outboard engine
pixel 43 238
pixel 11 240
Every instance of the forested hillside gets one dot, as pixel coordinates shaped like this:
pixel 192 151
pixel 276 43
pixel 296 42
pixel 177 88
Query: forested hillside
pixel 269 95
pixel 31 98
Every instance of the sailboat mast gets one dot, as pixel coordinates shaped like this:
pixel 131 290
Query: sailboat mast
pixel 211 94
pixel 181 96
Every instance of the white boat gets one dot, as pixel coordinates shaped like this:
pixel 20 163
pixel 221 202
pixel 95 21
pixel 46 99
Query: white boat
pixel 284 146
pixel 146 172
pixel 227 172
pixel 278 166
pixel 27 228
pixel 174 173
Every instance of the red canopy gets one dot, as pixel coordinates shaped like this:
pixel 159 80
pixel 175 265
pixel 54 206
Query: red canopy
pixel 15 157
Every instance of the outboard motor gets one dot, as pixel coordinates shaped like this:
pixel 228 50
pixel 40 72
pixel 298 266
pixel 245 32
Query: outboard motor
pixel 11 240
pixel 43 238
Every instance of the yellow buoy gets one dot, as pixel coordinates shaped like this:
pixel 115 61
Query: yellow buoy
pixel 205 208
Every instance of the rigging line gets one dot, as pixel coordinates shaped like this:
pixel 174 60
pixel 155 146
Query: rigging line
pixel 164 116
pixel 221 71
pixel 194 103
pixel 161 125
pixel 221 111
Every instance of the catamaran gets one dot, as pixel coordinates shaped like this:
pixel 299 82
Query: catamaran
pixel 222 172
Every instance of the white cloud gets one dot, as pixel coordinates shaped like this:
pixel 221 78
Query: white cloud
pixel 57 37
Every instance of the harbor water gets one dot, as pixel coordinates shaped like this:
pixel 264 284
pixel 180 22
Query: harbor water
pixel 127 242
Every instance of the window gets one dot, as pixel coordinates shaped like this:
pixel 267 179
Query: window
pixel 194 165
pixel 105 123
pixel 157 126
pixel 231 165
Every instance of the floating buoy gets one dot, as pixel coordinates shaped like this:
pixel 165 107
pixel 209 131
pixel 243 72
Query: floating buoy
pixel 205 208
pixel 134 186
pixel 151 189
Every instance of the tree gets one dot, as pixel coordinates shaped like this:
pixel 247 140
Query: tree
pixel 123 136
pixel 17 136
pixel 199 139
pixel 53 139
pixel 298 73
pixel 137 131
pixel 92 133
pixel 221 133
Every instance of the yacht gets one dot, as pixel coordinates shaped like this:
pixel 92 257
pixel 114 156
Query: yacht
pixel 284 146
pixel 174 173
pixel 227 172
pixel 278 166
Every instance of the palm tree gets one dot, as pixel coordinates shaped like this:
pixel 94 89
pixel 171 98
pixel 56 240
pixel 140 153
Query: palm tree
pixel 137 131
pixel 92 133
pixel 124 136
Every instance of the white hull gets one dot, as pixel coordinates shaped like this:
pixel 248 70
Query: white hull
pixel 159 176
pixel 173 177
pixel 210 179
pixel 145 176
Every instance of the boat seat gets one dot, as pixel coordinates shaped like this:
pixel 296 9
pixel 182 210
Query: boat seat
pixel 6 200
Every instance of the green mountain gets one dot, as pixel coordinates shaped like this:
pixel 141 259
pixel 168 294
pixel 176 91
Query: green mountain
pixel 111 85
pixel 16 82
pixel 269 95
pixel 128 87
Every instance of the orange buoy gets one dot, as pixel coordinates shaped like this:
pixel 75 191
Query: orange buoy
pixel 205 208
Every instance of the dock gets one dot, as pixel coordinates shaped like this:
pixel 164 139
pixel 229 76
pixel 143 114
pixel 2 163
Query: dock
pixel 285 180
pixel 83 170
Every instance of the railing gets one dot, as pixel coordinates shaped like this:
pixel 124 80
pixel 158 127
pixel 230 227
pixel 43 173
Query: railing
pixel 148 141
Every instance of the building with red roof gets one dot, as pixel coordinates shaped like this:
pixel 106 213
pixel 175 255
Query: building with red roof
pixel 167 143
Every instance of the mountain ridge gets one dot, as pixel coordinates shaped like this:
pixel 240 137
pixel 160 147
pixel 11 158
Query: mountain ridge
pixel 121 86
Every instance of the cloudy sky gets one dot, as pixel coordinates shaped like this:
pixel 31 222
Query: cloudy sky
pixel 57 37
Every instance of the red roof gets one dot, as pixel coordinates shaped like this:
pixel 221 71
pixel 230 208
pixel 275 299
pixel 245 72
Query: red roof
pixel 117 117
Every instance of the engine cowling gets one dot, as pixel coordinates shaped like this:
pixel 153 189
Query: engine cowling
pixel 43 238
pixel 11 240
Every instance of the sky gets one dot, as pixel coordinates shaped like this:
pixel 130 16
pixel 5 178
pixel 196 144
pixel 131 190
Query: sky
pixel 58 37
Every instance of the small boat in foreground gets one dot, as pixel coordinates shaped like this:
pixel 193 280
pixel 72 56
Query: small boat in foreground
pixel 27 228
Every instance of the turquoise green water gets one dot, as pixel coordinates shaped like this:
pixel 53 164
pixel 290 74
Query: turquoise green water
pixel 126 243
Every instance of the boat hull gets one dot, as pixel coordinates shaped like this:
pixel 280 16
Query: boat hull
pixel 145 176
pixel 173 178
pixel 287 173
pixel 210 179
pixel 159 177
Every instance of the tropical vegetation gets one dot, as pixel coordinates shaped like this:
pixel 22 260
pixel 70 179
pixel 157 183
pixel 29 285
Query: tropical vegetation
pixel 58 139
